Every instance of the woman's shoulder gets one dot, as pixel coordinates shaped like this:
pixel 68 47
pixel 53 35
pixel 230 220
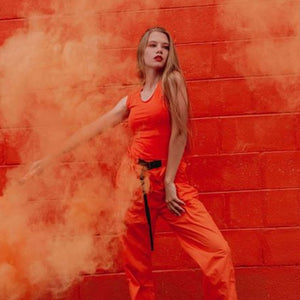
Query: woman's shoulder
pixel 133 96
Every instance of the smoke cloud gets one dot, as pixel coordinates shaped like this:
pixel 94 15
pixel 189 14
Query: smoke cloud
pixel 267 44
pixel 59 72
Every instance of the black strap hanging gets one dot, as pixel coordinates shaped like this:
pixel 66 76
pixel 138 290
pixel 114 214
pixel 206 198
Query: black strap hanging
pixel 148 166
pixel 147 210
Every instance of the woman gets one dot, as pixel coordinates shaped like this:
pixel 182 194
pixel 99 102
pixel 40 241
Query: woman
pixel 158 117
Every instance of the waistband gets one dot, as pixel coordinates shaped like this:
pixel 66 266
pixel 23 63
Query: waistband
pixel 149 165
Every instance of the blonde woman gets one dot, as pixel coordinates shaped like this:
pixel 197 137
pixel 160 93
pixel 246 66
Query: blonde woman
pixel 158 116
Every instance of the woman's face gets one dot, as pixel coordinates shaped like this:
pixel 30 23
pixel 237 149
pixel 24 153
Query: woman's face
pixel 157 50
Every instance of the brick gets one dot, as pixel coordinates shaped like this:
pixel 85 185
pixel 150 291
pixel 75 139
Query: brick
pixel 14 9
pixel 223 56
pixel 225 172
pixel 258 133
pixel 179 3
pixel 176 258
pixel 9 9
pixel 205 136
pixel 9 27
pixel 281 169
pixel 48 296
pixel 256 19
pixel 252 283
pixel 186 25
pixel 236 96
pixel 268 283
pixel 13 143
pixel 20 145
pixel 281 246
pixel 282 208
pixel 247 58
pixel 297 125
pixel 190 25
pixel 3 171
pixel 114 286
pixel 123 35
pixel 124 61
pixel 223 97
pixel 283 283
pixel 276 94
pixel 2 146
pixel 244 209
pixel 215 205
pixel 108 286
pixel 71 294
pixel 196 60
pixel 205 97
pixel 211 97
pixel 246 246
pixel 206 18
pixel 179 285
pixel 2 119
pixel 134 4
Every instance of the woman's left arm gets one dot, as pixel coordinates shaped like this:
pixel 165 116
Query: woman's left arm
pixel 177 144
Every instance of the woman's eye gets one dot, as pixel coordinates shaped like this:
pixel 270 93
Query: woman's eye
pixel 166 47
pixel 152 45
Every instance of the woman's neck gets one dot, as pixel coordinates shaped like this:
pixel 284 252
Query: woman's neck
pixel 151 79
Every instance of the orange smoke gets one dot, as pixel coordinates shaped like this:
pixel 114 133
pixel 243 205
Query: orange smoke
pixel 266 35
pixel 56 75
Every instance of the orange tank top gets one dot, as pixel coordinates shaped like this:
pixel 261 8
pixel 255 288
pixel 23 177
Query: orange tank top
pixel 150 124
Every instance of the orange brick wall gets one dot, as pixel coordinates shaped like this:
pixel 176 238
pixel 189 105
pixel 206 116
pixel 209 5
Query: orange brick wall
pixel 245 159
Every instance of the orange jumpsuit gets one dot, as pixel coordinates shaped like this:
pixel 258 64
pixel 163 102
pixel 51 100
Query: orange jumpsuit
pixel 195 229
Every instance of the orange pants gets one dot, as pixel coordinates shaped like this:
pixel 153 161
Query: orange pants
pixel 196 231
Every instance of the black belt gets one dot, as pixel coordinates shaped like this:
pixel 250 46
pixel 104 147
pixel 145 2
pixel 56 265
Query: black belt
pixel 148 165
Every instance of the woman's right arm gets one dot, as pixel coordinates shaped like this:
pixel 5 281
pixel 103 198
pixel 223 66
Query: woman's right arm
pixel 113 117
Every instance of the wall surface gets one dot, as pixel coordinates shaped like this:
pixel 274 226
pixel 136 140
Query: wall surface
pixel 245 159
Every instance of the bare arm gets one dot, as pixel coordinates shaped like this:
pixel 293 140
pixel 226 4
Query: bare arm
pixel 113 117
pixel 177 145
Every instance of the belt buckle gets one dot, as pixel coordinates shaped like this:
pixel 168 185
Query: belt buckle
pixel 143 163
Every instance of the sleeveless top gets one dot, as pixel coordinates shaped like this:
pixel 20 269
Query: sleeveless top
pixel 150 124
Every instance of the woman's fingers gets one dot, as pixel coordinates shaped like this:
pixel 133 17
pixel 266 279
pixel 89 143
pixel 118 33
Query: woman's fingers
pixel 175 210
pixel 34 169
pixel 176 206
pixel 179 201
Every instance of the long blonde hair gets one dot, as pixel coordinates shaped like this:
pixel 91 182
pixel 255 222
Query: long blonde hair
pixel 169 82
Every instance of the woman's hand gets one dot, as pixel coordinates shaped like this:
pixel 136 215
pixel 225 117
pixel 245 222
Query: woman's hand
pixel 173 202
pixel 36 168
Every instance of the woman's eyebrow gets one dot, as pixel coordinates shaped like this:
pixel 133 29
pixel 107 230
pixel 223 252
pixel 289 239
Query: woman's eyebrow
pixel 153 41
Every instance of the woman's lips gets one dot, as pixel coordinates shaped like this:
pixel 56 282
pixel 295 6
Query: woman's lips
pixel 158 58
